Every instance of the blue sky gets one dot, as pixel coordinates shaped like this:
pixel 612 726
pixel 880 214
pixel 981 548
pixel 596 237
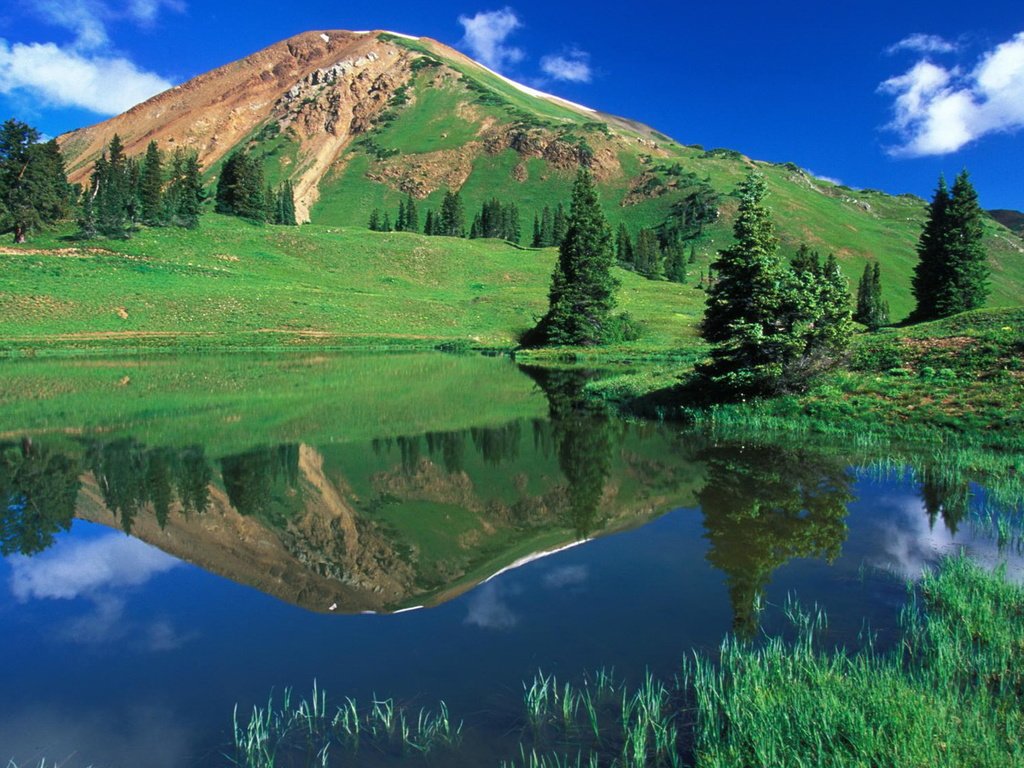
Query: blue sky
pixel 885 95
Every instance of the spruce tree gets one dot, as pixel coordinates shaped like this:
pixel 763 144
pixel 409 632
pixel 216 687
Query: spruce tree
pixel 111 190
pixel 186 189
pixel 831 329
pixel 536 242
pixel 374 222
pixel 675 263
pixel 952 271
pixel 547 233
pixel 428 224
pixel 559 225
pixel 582 294
pixel 412 219
pixel 624 247
pixel 151 186
pixel 34 190
pixel 647 253
pixel 872 309
pixel 967 259
pixel 745 303
pixel 453 217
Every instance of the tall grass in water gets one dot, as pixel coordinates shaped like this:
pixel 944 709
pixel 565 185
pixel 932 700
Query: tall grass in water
pixel 310 733
pixel 599 722
pixel 949 697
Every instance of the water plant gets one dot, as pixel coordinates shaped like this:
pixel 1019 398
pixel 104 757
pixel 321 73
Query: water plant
pixel 310 732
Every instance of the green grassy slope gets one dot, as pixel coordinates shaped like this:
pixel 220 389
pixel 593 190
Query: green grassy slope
pixel 232 284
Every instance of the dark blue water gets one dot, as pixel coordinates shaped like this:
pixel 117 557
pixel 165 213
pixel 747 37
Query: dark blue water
pixel 117 653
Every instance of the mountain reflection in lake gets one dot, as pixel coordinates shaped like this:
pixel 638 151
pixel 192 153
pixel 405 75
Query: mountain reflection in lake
pixel 251 530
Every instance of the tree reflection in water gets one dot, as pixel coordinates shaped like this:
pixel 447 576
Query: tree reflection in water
pixel 763 506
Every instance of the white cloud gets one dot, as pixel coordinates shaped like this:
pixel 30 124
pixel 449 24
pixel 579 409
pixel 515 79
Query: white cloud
pixel 86 18
pixel 87 73
pixel 829 179
pixel 146 11
pixel 573 66
pixel 488 609
pixel 922 43
pixel 60 77
pixel 98 570
pixel 939 110
pixel 485 35
pixel 74 568
pixel 566 576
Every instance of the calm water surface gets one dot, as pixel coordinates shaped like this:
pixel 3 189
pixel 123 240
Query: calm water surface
pixel 181 536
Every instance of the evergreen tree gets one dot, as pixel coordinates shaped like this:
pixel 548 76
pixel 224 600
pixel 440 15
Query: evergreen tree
pixel 34 190
pixel 675 263
pixel 536 242
pixel 412 220
pixel 283 205
pixel 647 253
pixel 967 259
pixel 428 225
pixel 476 229
pixel 111 190
pixel 510 224
pixel 400 220
pixel 582 294
pixel 374 222
pixel 385 225
pixel 241 189
pixel 188 189
pixel 624 247
pixel 831 326
pixel 453 218
pixel 559 225
pixel 151 186
pixel 952 270
pixel 872 309
pixel 547 232
pixel 746 301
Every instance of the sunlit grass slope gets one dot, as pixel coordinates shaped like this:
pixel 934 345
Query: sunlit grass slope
pixel 232 284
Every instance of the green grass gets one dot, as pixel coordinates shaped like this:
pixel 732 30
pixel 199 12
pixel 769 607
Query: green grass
pixel 231 284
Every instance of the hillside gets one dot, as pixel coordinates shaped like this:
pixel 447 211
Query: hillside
pixel 359 120
pixel 1012 220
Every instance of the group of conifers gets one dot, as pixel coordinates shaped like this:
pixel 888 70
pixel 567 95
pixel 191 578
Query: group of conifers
pixel 770 322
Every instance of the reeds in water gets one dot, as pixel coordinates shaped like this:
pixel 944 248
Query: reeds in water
pixel 310 732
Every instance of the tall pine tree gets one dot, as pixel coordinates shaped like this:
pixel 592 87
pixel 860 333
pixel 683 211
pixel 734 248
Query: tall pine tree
pixel 34 190
pixel 872 309
pixel 151 186
pixel 582 294
pixel 745 304
pixel 952 270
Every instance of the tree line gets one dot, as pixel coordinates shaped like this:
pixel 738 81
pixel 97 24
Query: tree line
pixel 156 190
pixel 772 324
pixel 34 189
pixel 242 191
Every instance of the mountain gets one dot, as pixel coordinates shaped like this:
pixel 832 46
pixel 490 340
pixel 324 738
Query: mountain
pixel 1012 220
pixel 359 119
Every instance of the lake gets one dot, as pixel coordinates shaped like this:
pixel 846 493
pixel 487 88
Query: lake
pixel 182 536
